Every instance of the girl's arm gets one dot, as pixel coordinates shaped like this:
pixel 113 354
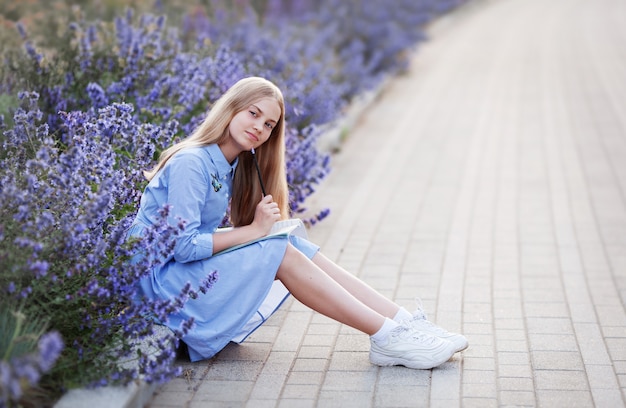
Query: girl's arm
pixel 188 184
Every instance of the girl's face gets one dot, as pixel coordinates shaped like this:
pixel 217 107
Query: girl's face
pixel 251 127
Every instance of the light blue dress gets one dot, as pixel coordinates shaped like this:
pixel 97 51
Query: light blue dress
pixel 197 182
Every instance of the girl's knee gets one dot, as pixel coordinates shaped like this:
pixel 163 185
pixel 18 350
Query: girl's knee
pixel 292 260
pixel 291 254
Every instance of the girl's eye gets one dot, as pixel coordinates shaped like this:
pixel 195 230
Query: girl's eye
pixel 268 125
pixel 253 113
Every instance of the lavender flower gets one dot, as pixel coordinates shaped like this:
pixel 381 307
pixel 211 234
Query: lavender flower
pixel 97 95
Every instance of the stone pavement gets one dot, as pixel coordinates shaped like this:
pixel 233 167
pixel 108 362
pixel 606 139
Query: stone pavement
pixel 490 181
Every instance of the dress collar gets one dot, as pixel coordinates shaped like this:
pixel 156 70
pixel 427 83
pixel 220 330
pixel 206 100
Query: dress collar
pixel 223 167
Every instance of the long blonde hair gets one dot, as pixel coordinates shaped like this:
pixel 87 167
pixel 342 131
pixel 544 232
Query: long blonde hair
pixel 271 155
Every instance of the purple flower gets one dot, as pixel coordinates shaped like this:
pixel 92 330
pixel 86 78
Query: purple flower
pixel 9 384
pixel 25 370
pixel 97 95
pixel 21 30
pixel 39 268
pixel 50 346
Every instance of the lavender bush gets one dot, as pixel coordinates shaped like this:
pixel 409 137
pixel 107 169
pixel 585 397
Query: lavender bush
pixel 91 104
pixel 65 211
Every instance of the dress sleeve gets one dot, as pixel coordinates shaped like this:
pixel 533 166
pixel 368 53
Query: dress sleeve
pixel 187 189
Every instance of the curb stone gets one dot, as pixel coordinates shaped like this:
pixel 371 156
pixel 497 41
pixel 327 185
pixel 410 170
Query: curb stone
pixel 134 395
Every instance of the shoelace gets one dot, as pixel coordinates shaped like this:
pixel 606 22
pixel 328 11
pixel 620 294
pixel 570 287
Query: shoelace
pixel 430 325
pixel 406 332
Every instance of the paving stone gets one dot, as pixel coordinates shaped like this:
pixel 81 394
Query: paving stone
pixel 514 370
pixel 315 352
pixel 479 402
pixel 561 380
pixel 349 380
pixel 513 357
pixel 216 390
pixel 516 384
pixel 517 398
pixel 401 396
pixel 296 403
pixel 300 391
pixel 306 377
pixel 266 387
pixel 565 399
pixel 310 364
pixel 556 360
pixel 351 399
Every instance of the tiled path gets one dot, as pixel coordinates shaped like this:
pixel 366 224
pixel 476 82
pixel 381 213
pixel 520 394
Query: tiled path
pixel 490 181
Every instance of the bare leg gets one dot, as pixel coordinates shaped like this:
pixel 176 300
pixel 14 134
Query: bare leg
pixel 357 287
pixel 312 286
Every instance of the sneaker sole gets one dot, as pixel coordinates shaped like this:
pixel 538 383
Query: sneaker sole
pixel 462 348
pixel 384 361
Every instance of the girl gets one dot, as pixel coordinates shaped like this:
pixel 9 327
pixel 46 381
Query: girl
pixel 198 177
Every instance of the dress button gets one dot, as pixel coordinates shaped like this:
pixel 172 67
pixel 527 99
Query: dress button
pixel 194 241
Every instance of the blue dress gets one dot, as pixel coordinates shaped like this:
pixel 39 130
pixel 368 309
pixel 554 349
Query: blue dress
pixel 197 182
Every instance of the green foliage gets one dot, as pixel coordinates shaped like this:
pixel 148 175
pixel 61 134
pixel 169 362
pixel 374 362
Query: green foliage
pixel 19 331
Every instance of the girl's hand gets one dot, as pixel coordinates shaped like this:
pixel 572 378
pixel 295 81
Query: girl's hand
pixel 266 214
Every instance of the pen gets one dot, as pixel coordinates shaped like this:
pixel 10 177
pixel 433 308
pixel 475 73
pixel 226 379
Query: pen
pixel 258 171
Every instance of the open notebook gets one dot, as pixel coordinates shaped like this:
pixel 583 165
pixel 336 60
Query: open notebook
pixel 283 228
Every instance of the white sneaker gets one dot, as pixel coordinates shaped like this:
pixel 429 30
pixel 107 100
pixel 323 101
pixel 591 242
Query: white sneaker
pixel 410 348
pixel 419 322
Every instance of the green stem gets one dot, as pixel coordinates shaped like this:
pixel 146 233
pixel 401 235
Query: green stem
pixel 19 319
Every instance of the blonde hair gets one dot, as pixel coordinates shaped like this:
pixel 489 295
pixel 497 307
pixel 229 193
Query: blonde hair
pixel 271 155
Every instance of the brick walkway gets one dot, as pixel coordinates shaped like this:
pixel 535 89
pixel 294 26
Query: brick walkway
pixel 490 181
